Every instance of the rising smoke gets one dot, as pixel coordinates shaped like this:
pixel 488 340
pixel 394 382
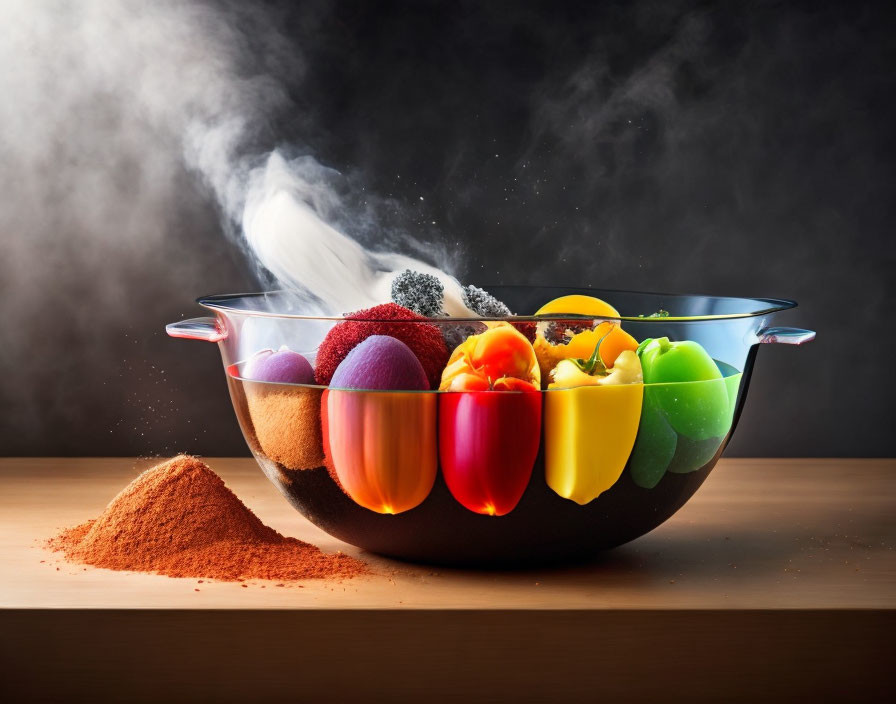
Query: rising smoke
pixel 100 94
pixel 114 114
pixel 103 93
pixel 681 145
pixel 285 221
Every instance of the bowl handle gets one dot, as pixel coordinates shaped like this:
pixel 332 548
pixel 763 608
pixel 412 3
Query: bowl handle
pixel 785 336
pixel 207 329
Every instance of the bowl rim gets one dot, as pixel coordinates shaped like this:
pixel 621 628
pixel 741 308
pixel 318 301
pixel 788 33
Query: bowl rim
pixel 767 306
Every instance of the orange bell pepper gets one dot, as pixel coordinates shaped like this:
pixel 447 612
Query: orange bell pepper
pixel 497 359
pixel 381 445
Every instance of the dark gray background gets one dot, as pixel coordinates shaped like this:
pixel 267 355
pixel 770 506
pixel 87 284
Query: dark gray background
pixel 719 148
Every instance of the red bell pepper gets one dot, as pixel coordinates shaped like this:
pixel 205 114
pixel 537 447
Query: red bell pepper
pixel 488 441
pixel 490 420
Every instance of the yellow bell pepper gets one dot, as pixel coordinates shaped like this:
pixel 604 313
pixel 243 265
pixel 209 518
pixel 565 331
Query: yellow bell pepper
pixel 568 373
pixel 591 418
pixel 614 340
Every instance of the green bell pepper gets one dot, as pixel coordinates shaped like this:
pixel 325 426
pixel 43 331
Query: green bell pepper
pixel 655 444
pixel 693 408
pixel 687 412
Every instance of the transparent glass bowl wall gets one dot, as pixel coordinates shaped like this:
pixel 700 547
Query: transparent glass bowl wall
pixel 306 437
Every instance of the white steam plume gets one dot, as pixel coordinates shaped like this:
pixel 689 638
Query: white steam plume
pixel 104 104
pixel 102 93
pixel 330 272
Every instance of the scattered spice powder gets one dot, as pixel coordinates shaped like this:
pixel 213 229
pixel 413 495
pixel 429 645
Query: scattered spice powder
pixel 286 420
pixel 180 520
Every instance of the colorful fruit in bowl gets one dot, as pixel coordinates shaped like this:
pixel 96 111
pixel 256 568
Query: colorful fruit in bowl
pixel 490 421
pixel 379 430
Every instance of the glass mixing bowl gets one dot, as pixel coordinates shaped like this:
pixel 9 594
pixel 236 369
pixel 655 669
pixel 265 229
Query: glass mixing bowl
pixel 492 477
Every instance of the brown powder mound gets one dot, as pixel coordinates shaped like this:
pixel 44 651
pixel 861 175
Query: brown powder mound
pixel 180 520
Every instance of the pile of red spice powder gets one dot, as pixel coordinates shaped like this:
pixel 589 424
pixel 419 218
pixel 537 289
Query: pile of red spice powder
pixel 424 339
pixel 180 520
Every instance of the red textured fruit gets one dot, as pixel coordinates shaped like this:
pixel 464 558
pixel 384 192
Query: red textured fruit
pixel 527 328
pixel 424 339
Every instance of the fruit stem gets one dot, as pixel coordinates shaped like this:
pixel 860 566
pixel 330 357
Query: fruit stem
pixel 594 365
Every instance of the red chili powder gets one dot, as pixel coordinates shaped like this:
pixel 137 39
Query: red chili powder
pixel 180 520
pixel 424 339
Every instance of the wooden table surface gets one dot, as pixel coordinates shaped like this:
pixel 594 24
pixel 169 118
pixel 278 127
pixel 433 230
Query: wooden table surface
pixel 773 562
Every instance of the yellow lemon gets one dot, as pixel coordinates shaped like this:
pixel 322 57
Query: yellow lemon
pixel 578 305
